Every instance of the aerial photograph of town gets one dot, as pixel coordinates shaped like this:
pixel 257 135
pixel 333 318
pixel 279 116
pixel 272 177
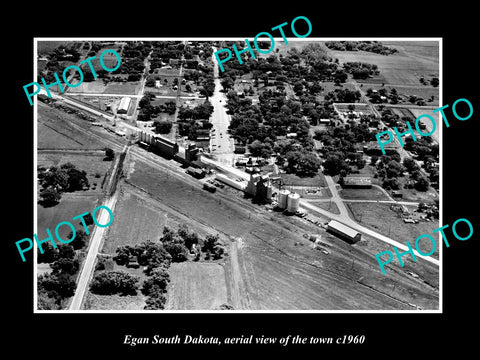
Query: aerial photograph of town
pixel 258 188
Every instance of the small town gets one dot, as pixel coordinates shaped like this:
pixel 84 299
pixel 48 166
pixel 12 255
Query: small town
pixel 260 187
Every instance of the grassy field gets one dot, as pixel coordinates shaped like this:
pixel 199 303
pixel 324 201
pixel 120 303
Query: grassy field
pixel 136 221
pixel 363 194
pixel 123 88
pixel 47 46
pixel 70 206
pixel 114 302
pixel 294 180
pixel 55 131
pixel 196 286
pixel 381 218
pixel 92 163
pixel 327 205
pixel 404 67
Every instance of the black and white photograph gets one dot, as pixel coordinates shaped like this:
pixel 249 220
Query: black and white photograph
pixel 205 180
pixel 234 186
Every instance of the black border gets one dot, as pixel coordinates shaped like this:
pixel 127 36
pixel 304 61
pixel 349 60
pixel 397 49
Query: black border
pixel 386 334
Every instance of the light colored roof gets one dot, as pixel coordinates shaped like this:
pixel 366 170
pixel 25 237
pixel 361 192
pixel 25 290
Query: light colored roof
pixel 124 103
pixel 342 228
pixel 359 180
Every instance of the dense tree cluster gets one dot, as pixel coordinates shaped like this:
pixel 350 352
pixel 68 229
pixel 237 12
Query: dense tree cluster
pixel 162 127
pixel 55 180
pixel 361 70
pixel 199 112
pixel 148 111
pixel 54 287
pixel 339 147
pixel 133 59
pixel 114 282
pixel 343 96
pixel 370 46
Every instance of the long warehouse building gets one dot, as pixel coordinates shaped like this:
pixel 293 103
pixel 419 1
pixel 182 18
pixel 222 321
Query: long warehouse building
pixel 343 231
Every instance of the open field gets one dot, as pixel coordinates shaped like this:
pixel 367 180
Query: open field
pixel 327 205
pixel 363 194
pixel 123 88
pixel 91 162
pixel 47 46
pixel 196 286
pixel 70 205
pixel 381 218
pixel 276 266
pixel 114 302
pixel 98 87
pixel 56 132
pixel 400 68
pixel 294 180
pixel 427 49
pixel 136 221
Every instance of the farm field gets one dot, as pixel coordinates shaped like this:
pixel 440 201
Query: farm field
pixel 381 218
pixel 400 68
pixel 277 268
pixel 196 286
pixel 136 220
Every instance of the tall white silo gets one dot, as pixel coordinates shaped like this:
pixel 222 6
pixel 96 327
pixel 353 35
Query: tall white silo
pixel 282 198
pixel 293 203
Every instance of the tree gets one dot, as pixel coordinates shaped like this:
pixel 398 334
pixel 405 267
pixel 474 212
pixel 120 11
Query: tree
pixel 77 179
pixel 422 183
pixel 177 251
pixel 156 283
pixel 80 239
pixel 212 245
pixel 391 184
pixel 66 251
pixel 56 285
pixel 122 256
pixel 227 83
pixel 162 127
pixel 109 154
pixel 434 82
pixel 50 254
pixel 156 302
pixel 394 169
pixel 49 197
pixel 45 302
pixel 410 164
pixel 64 265
pixel 114 282
pixel 334 163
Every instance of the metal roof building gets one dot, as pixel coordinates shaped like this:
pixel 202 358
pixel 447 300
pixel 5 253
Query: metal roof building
pixel 343 231
pixel 123 106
